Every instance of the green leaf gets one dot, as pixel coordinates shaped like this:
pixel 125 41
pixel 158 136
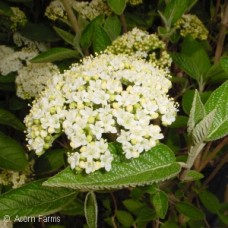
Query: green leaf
pixel 192 175
pixel 7 118
pixel 68 37
pixel 200 132
pixel 223 218
pixel 218 101
pixel 12 154
pixel 55 54
pixel 187 64
pixel 224 64
pixel 190 211
pixel 112 27
pixel 125 218
pixel 133 206
pixel 181 121
pixel 39 32
pixel 216 74
pixel 100 39
pixel 50 161
pixel 33 199
pixel 155 165
pixel 175 9
pixel 195 50
pixel 210 201
pixel 160 202
pixel 5 9
pixel 87 37
pixel 117 6
pixel 9 78
pixel 74 208
pixel 91 210
pixel 197 112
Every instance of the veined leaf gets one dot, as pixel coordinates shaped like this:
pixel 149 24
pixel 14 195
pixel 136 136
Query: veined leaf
pixel 100 39
pixel 195 50
pixel 160 202
pixel 197 112
pixel 91 210
pixel 187 64
pixel 155 165
pixel 68 37
pixel 34 199
pixel 218 101
pixel 55 54
pixel 7 118
pixel 175 9
pixel 117 6
pixel 200 132
pixel 12 154
pixel 113 27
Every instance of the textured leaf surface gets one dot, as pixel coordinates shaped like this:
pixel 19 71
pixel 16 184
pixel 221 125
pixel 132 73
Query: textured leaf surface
pixel 9 119
pixel 34 199
pixel 187 64
pixel 55 54
pixel 197 112
pixel 113 27
pixel 201 130
pixel 156 165
pixel 91 210
pixel 117 6
pixel 12 155
pixel 175 9
pixel 218 101
pixel 160 202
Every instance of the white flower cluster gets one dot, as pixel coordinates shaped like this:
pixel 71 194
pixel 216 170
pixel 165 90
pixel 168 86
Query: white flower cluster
pixel 32 79
pixel 107 94
pixel 87 9
pixel 56 10
pixel 16 179
pixel 190 24
pixel 141 44
pixel 90 10
pixel 18 18
pixel 12 61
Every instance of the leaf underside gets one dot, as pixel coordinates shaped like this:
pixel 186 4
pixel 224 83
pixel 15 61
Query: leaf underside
pixel 155 165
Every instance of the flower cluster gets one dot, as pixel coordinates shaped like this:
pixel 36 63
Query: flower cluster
pixel 108 94
pixel 12 61
pixel 32 79
pixel 87 9
pixel 16 179
pixel 55 10
pixel 90 10
pixel 191 25
pixel 18 18
pixel 141 44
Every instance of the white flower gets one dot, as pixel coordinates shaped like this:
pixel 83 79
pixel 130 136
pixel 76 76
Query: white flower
pixel 83 104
